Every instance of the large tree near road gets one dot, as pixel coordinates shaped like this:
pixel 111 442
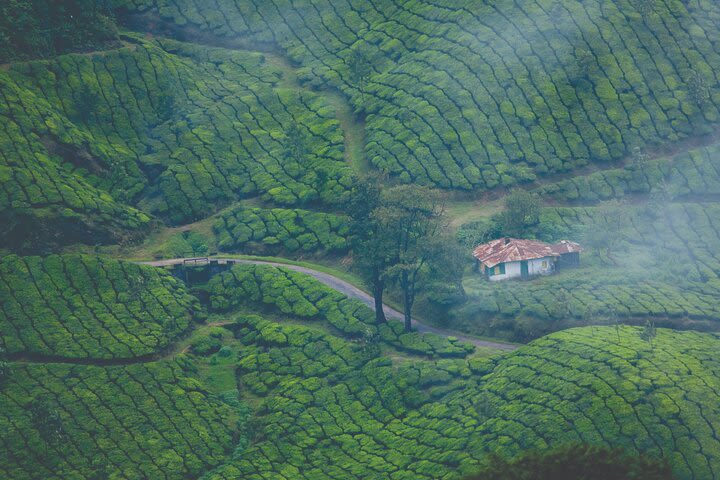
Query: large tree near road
pixel 412 217
pixel 369 240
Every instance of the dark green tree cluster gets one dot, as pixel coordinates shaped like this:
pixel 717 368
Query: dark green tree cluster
pixel 43 28
pixel 398 236
pixel 574 462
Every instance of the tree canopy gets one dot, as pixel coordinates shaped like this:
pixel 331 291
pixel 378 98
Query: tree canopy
pixel 575 462
pixel 39 28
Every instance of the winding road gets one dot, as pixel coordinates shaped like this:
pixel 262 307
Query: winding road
pixel 344 287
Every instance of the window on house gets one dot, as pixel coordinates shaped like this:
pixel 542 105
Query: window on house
pixel 544 264
pixel 501 269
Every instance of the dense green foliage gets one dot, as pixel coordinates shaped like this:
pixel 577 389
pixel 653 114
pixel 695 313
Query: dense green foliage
pixel 39 28
pixel 330 411
pixel 327 403
pixel 690 174
pixel 87 307
pixel 302 296
pixel 141 421
pixel 575 461
pixel 574 378
pixel 485 94
pixel 175 129
pixel 104 370
pixel 257 230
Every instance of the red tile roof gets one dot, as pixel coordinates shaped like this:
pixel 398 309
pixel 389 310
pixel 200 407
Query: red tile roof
pixel 566 246
pixel 506 249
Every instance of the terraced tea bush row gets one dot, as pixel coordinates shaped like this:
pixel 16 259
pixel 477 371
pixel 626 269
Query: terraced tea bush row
pixel 523 311
pixel 479 94
pixel 176 129
pixel 300 295
pixel 142 421
pixel 691 173
pixel 41 197
pixel 89 307
pixel 600 385
pixel 260 230
pixel 330 411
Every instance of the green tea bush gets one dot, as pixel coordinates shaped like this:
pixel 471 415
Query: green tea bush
pixel 687 174
pixel 484 95
pixel 87 307
pixel 140 421
pixel 300 295
pixel 175 129
pixel 259 230
pixel 329 411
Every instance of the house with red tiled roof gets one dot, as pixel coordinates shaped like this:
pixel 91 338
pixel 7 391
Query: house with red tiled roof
pixel 506 257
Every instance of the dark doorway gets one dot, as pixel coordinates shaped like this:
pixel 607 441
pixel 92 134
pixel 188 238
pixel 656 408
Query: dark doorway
pixel 524 270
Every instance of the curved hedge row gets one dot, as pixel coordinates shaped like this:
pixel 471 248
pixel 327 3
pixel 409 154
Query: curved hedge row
pixel 176 129
pixel 141 421
pixel 89 307
pixel 260 230
pixel 329 411
pixel 600 385
pixel 300 295
pixel 692 173
pixel 481 94
pixel 40 194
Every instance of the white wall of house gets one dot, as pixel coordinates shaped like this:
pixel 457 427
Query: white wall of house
pixel 538 266
pixel 512 270
pixel 541 266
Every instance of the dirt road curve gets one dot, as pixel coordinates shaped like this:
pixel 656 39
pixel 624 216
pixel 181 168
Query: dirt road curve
pixel 354 292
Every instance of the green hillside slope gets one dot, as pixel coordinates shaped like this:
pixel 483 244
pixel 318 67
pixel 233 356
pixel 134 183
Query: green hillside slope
pixel 140 421
pixel 81 307
pixel 175 129
pixel 328 413
pixel 309 391
pixel 480 94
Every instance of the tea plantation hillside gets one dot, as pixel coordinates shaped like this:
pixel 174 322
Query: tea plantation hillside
pixel 329 412
pixel 311 388
pixel 477 94
pixel 73 306
pixel 174 129
pixel 149 420
pixel 329 148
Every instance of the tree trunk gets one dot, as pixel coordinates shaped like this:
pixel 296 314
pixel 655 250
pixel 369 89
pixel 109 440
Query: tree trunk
pixel 408 299
pixel 378 289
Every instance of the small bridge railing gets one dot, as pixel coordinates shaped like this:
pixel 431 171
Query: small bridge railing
pixel 196 261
